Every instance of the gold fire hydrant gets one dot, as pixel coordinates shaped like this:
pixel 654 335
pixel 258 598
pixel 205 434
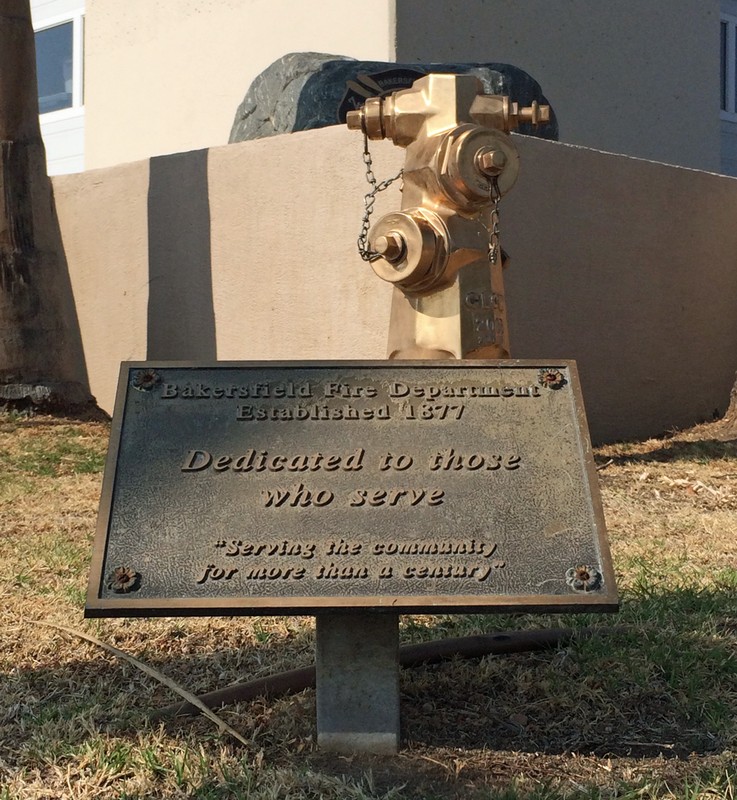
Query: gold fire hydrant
pixel 442 250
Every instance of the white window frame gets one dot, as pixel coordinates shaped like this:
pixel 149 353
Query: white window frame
pixel 77 20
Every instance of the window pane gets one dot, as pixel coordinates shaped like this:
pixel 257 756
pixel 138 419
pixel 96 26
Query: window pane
pixel 54 68
pixel 723 66
pixel 733 73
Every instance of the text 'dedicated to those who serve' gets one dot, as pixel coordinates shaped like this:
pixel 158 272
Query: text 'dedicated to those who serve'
pixel 309 486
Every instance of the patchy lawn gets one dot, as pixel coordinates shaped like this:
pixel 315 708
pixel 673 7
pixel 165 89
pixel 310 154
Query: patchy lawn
pixel 650 711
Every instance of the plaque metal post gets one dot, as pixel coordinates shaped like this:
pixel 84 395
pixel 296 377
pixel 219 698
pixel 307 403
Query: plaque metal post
pixel 443 255
pixel 357 679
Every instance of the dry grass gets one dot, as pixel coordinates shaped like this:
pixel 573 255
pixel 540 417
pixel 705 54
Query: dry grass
pixel 648 713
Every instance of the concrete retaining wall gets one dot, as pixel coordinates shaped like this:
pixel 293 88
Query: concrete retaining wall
pixel 247 251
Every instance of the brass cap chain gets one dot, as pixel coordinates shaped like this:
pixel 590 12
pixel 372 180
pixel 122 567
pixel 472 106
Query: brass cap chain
pixel 367 254
pixel 495 196
pixel 368 201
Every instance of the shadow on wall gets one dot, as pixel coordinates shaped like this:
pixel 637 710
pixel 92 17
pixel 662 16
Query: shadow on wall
pixel 630 267
pixel 181 315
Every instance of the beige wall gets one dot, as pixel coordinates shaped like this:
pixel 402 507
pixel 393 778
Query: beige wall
pixel 165 76
pixel 628 266
pixel 626 76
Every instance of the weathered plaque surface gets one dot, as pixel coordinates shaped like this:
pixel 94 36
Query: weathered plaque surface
pixel 250 488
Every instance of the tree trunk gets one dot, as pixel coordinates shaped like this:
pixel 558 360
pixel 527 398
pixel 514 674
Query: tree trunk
pixel 41 357
pixel 729 420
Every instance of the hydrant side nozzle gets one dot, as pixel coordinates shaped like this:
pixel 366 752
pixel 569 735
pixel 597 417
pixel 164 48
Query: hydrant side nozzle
pixel 535 114
pixel 374 118
pixel 354 119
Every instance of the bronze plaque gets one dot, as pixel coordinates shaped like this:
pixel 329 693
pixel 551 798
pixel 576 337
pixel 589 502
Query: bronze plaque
pixel 253 488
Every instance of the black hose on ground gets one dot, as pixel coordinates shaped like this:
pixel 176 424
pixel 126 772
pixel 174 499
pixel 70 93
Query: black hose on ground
pixel 411 655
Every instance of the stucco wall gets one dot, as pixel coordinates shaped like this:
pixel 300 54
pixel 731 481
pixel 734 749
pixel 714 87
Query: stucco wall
pixel 247 251
pixel 168 77
pixel 626 76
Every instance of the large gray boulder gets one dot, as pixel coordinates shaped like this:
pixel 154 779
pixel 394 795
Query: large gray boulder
pixel 301 91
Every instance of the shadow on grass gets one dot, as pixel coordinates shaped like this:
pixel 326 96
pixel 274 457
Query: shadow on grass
pixel 665 450
pixel 665 686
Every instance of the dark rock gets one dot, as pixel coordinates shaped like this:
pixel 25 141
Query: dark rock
pixel 301 91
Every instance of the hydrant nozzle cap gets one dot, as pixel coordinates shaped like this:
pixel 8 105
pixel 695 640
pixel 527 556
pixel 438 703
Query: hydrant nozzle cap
pixel 354 119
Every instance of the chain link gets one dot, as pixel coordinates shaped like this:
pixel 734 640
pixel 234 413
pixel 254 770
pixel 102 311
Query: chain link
pixel 368 201
pixel 495 196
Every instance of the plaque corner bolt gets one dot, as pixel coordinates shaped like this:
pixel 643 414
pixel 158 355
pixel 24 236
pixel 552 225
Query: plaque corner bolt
pixel 145 379
pixel 584 578
pixel 124 580
pixel 551 378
